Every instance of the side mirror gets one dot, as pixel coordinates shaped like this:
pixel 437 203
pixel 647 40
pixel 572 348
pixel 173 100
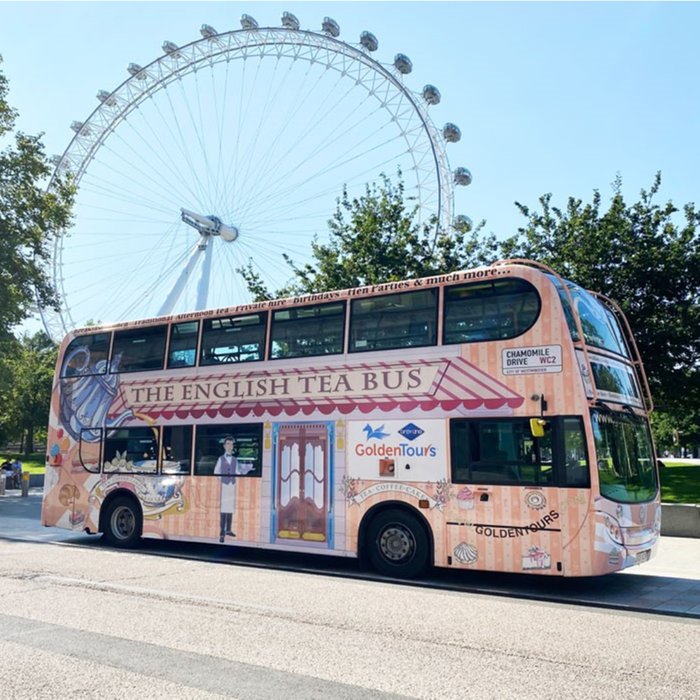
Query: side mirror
pixel 538 426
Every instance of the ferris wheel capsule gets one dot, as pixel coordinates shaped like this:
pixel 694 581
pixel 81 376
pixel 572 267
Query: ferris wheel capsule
pixel 248 22
pixel 207 31
pixel 171 48
pixel 431 95
pixel 462 176
pixel 106 98
pixel 134 69
pixel 451 132
pixel 331 27
pixel 289 21
pixel 80 128
pixel 369 41
pixel 403 64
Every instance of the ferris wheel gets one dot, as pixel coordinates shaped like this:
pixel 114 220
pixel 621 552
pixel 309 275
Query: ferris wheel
pixel 232 149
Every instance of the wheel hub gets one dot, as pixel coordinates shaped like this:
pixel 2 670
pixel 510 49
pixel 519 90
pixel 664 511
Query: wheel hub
pixel 396 543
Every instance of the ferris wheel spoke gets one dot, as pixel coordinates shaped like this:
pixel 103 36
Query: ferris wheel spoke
pixel 266 111
pixel 221 111
pixel 328 142
pixel 130 192
pixel 178 170
pixel 300 99
pixel 373 168
pixel 151 142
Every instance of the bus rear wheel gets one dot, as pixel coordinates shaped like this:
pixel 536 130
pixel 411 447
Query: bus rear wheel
pixel 123 523
pixel 397 544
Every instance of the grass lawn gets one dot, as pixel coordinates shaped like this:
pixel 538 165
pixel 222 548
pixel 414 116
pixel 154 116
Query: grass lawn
pixel 680 482
pixel 33 463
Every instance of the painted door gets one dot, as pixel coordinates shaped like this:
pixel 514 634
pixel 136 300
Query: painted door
pixel 301 491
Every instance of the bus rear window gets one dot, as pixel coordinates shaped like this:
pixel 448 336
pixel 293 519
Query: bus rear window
pixel 494 310
pixel 405 320
pixel 86 354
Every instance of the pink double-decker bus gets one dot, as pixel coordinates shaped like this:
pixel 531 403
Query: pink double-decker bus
pixel 493 419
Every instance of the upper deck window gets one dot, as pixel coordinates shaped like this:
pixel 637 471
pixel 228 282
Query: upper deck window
pixel 493 310
pixel 183 344
pixel 138 349
pixel 600 327
pixel 233 339
pixel 86 354
pixel 305 331
pixel 405 320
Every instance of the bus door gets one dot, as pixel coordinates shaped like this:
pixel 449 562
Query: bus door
pixel 301 488
pixel 507 513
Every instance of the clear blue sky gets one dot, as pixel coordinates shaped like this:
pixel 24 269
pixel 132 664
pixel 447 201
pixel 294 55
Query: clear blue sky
pixel 550 97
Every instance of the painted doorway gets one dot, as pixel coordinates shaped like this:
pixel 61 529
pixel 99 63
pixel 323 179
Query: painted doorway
pixel 302 490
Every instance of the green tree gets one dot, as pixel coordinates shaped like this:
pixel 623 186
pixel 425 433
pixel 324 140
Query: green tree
pixel 30 218
pixel 646 257
pixel 375 238
pixel 26 394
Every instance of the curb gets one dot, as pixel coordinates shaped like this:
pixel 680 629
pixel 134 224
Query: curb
pixel 680 520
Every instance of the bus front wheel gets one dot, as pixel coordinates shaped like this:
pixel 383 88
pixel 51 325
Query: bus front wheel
pixel 123 523
pixel 397 544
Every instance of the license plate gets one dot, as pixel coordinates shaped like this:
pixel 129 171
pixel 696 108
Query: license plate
pixel 643 556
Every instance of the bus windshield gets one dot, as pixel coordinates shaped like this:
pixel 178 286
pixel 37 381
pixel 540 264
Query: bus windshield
pixel 600 327
pixel 625 458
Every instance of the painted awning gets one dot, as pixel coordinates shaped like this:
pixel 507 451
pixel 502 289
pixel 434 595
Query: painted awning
pixel 417 385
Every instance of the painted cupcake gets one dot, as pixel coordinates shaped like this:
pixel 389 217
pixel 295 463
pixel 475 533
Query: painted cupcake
pixel 465 498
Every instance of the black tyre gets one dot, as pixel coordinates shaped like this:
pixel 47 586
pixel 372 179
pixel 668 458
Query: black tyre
pixel 123 523
pixel 397 544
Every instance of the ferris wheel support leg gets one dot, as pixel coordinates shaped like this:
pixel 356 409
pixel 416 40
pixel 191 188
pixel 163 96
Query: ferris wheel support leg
pixel 203 285
pixel 179 286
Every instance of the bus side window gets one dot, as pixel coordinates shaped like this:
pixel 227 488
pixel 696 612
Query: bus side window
pixel 576 467
pixel 247 439
pixel 233 339
pixel 403 320
pixel 138 349
pixel 177 449
pixel 86 354
pixel 131 451
pixel 497 451
pixel 183 344
pixel 492 310
pixel 307 331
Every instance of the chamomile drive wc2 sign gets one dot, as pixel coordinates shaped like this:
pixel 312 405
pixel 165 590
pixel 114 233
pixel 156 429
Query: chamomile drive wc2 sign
pixel 541 358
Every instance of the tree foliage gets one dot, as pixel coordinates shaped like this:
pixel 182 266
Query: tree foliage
pixel 375 238
pixel 25 393
pixel 30 217
pixel 646 257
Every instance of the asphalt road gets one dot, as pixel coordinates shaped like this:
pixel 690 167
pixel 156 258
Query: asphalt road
pixel 79 619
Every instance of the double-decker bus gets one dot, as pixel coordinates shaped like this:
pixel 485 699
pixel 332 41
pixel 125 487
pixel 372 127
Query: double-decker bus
pixel 491 419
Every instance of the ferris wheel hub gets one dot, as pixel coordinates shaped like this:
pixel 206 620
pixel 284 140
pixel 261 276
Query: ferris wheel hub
pixel 209 225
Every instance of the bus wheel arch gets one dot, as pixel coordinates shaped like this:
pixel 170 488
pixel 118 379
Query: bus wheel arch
pixel 396 540
pixel 121 519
